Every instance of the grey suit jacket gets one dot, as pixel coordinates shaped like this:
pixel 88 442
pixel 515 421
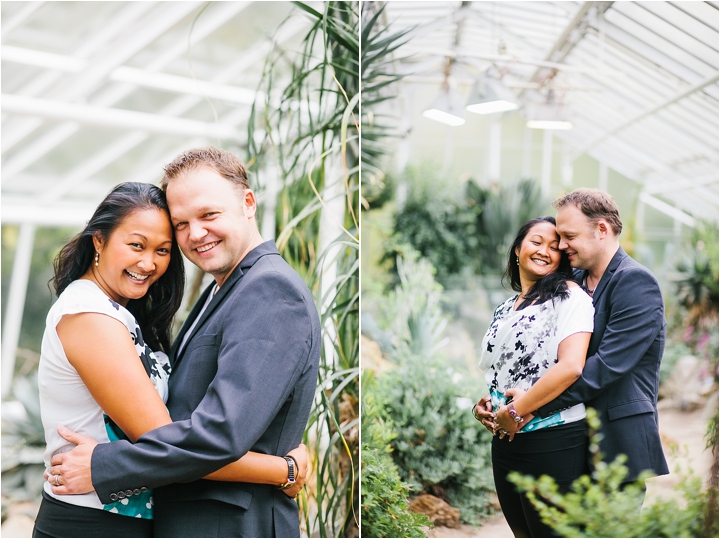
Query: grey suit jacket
pixel 244 381
pixel 622 372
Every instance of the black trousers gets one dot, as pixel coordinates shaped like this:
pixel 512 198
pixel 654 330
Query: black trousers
pixel 60 519
pixel 560 452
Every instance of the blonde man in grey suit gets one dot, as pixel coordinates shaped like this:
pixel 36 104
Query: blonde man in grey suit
pixel 244 364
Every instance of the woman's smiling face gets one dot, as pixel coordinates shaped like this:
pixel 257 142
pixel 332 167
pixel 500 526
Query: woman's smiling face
pixel 539 254
pixel 136 254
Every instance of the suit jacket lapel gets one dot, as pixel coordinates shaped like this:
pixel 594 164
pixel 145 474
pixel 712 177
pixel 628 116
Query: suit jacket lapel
pixel 614 264
pixel 266 248
pixel 188 322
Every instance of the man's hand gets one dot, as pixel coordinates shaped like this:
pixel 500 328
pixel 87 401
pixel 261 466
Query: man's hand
pixel 483 413
pixel 301 456
pixel 70 472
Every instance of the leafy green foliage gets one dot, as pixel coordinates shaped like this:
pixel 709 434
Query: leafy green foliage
pixel 696 281
pixel 597 507
pixel 384 504
pixel 440 448
pixel 23 442
pixel 467 232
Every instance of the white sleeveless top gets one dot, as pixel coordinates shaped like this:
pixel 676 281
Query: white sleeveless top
pixel 65 400
pixel 520 346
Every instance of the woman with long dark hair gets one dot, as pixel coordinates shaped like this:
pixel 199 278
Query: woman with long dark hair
pixel 104 367
pixel 533 350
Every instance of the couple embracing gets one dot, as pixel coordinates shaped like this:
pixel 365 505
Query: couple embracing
pixel 205 434
pixel 569 339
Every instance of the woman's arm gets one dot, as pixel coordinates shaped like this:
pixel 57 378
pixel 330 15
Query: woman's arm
pixel 115 377
pixel 571 360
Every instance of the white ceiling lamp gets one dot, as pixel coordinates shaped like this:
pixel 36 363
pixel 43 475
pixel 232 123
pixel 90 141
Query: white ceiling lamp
pixel 448 106
pixel 489 95
pixel 548 115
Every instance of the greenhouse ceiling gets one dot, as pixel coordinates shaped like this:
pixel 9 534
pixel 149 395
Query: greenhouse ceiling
pixel 97 93
pixel 639 80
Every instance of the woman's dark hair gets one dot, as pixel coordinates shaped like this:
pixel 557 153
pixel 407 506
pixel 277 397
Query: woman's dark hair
pixel 155 310
pixel 551 286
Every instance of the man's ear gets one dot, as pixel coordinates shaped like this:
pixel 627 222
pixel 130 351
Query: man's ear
pixel 250 203
pixel 603 228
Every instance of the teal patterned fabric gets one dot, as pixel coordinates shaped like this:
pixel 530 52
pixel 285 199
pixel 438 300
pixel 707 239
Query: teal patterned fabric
pixel 137 505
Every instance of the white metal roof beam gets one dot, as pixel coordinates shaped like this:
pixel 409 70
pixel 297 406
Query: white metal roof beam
pixel 179 106
pixel 571 35
pixel 50 140
pixel 711 179
pixel 710 80
pixel 117 118
pixel 13 22
pixel 667 209
pixel 18 130
pixel 104 62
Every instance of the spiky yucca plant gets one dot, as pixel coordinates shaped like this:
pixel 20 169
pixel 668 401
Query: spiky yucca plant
pixel 311 137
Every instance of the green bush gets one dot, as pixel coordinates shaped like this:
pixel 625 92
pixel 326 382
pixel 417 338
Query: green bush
pixel 384 499
pixel 596 507
pixel 440 448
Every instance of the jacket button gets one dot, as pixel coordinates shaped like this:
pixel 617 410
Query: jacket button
pixel 136 491
pixel 121 495
pixel 113 497
pixel 128 493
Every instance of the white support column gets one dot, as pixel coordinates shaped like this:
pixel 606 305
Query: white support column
pixel 403 151
pixel 271 182
pixel 527 152
pixel 546 174
pixel 494 148
pixel 639 216
pixel 677 231
pixel 566 169
pixel 603 177
pixel 16 304
pixel 449 148
pixel 332 217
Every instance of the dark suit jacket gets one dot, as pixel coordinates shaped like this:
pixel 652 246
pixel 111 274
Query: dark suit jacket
pixel 622 373
pixel 244 381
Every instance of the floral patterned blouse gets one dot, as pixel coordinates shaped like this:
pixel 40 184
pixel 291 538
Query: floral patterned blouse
pixel 520 346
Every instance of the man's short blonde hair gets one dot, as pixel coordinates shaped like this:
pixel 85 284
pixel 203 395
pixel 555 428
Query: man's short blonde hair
pixel 595 205
pixel 221 161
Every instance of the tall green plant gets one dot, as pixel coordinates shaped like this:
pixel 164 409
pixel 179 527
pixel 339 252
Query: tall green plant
pixel 312 135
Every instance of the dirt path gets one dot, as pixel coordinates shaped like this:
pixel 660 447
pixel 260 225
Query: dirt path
pixel 686 430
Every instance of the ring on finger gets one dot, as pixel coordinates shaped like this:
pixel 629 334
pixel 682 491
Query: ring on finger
pixel 57 482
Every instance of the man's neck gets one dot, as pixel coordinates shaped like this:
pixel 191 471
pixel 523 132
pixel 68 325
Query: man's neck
pixel 220 279
pixel 596 272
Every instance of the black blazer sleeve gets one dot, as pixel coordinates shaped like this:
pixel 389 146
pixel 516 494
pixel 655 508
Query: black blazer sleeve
pixel 627 320
pixel 264 347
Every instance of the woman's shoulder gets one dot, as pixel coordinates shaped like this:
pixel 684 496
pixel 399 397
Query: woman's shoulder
pixel 84 296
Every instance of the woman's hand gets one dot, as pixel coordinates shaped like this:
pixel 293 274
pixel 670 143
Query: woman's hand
pixel 506 423
pixel 483 413
pixel 301 457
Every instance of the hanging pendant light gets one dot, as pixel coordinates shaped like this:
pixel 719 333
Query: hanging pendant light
pixel 489 95
pixel 447 108
pixel 548 115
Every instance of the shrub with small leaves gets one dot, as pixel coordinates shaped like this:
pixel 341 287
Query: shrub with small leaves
pixel 597 507
pixel 384 499
pixel 440 448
